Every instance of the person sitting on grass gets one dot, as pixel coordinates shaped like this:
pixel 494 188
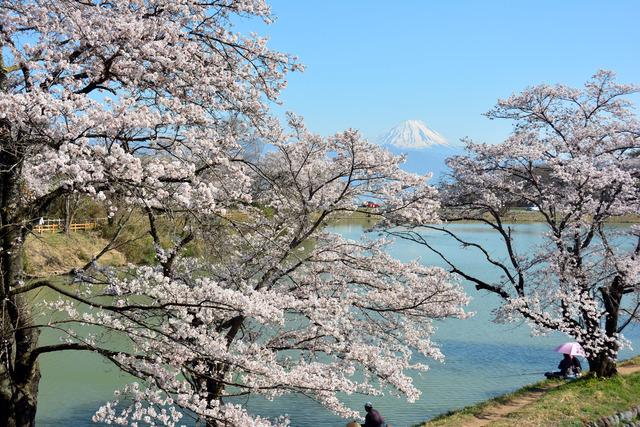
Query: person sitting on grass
pixel 569 367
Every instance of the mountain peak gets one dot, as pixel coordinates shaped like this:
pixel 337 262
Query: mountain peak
pixel 412 134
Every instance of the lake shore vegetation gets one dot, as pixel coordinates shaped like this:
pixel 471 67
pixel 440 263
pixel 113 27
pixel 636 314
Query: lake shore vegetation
pixel 553 402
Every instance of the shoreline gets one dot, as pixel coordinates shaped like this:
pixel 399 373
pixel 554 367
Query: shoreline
pixel 513 217
pixel 552 402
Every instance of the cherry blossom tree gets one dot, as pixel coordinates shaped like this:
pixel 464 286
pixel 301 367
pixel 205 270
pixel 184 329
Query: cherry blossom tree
pixel 572 158
pixel 153 104
pixel 281 305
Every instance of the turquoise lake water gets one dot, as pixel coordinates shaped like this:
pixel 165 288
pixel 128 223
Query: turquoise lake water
pixel 483 359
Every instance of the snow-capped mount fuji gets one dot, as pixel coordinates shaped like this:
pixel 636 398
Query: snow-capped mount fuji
pixel 425 149
pixel 412 134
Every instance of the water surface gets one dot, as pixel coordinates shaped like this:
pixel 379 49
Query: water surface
pixel 483 359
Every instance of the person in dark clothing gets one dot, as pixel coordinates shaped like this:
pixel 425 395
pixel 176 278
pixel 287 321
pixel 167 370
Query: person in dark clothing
pixel 373 417
pixel 569 366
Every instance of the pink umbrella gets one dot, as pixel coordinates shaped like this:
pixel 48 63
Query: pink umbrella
pixel 572 349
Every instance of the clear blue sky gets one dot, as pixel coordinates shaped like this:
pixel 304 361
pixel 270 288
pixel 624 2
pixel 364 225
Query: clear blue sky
pixel 371 64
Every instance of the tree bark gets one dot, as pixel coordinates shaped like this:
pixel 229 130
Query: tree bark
pixel 602 366
pixel 19 389
pixel 19 376
pixel 604 363
pixel 213 387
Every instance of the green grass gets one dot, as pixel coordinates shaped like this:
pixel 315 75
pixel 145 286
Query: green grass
pixel 518 215
pixel 458 417
pixel 580 401
pixel 570 404
pixel 515 215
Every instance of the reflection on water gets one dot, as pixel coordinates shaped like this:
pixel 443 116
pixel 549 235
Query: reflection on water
pixel 483 359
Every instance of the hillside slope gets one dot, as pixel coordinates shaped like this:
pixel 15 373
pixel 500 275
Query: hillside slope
pixel 50 254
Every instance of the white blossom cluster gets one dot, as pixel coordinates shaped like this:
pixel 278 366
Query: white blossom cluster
pixel 137 97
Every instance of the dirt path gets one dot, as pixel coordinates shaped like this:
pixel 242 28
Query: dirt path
pixel 499 412
pixel 629 369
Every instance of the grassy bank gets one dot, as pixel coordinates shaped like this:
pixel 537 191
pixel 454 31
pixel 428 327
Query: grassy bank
pixel 49 254
pixel 526 216
pixel 522 215
pixel 553 403
pixel 512 216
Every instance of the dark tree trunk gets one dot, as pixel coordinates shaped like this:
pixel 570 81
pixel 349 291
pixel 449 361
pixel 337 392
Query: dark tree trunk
pixel 19 392
pixel 214 387
pixel 19 374
pixel 602 366
pixel 604 363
